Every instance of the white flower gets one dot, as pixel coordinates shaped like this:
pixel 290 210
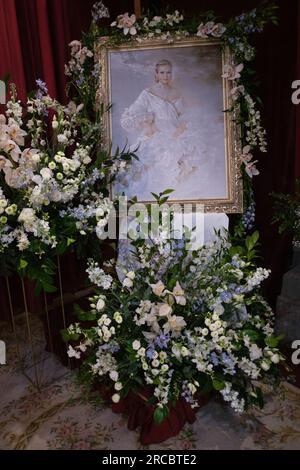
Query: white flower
pixel 158 288
pixel 204 30
pixel 237 91
pixel 164 368
pixel 46 174
pixel 127 283
pixel 275 358
pixel 127 23
pixel 184 351
pixel 113 375
pixel 232 72
pixel 118 317
pixel 174 324
pixel 27 216
pixel 164 310
pixel 265 365
pixel 72 353
pixel 178 293
pixel 62 139
pixel 100 304
pixel 118 386
pixel 251 169
pixel 130 275
pixel 155 363
pixel 136 345
pixel 141 352
pixel 54 123
pixel 218 30
pixel 192 388
pixel 116 398
pixel 255 352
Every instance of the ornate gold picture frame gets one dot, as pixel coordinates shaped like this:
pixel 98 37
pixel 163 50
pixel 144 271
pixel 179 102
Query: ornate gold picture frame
pixel 169 102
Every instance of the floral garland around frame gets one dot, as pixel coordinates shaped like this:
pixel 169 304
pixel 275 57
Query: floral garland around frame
pixel 235 34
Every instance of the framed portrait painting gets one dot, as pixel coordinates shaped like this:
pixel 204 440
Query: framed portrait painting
pixel 169 104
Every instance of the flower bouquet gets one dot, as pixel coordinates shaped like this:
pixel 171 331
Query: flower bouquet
pixel 53 184
pixel 174 327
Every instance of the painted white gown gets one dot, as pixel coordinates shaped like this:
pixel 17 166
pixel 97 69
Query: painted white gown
pixel 165 160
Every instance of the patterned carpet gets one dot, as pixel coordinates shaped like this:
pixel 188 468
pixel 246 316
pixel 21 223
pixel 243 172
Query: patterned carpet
pixel 62 416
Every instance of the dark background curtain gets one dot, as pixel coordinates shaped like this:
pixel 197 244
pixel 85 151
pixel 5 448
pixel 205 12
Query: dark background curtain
pixel 34 38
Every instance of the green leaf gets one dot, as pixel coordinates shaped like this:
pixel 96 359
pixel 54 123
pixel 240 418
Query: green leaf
pixel 218 384
pixel 23 264
pixel 70 241
pixel 273 341
pixel 252 240
pixel 167 191
pixel 160 414
pixel 253 335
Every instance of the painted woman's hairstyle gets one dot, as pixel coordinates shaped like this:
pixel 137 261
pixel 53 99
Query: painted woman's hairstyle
pixel 161 63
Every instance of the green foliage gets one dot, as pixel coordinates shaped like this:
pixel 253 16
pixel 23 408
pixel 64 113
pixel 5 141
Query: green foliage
pixel 287 212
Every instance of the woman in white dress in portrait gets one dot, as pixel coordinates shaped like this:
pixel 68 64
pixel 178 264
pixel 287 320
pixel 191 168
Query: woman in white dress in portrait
pixel 169 144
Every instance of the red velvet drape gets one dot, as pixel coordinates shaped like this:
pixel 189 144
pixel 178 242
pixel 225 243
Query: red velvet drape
pixel 34 37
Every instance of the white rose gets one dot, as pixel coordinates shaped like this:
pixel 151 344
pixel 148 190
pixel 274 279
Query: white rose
pixel 100 305
pixel 46 173
pixel 118 386
pixel 127 282
pixel 113 375
pixel 130 275
pixel 265 365
pixel 27 216
pixel 204 331
pixel 275 358
pixel 87 160
pixel 155 363
pixel 118 317
pixel 136 345
pixel 141 352
pixel 184 351
pixel 164 367
pixel 116 398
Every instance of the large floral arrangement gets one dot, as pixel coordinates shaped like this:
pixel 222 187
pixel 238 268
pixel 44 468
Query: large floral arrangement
pixel 180 323
pixel 53 183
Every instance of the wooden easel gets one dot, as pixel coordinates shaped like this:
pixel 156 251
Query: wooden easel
pixel 137 8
